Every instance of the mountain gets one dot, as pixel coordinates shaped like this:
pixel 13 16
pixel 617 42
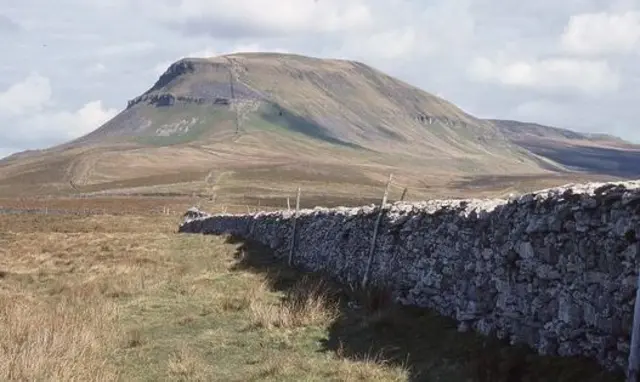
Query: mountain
pixel 255 124
pixel 582 152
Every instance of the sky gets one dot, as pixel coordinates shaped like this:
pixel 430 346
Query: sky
pixel 67 66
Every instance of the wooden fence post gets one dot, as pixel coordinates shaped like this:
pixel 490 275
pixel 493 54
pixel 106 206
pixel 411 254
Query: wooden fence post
pixel 367 271
pixel 404 193
pixel 293 235
pixel 288 204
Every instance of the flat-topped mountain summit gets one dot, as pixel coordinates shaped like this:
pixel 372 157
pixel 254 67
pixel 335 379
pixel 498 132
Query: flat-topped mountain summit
pixel 257 122
pixel 336 101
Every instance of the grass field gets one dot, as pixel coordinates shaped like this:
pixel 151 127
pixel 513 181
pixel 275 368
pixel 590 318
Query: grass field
pixel 105 298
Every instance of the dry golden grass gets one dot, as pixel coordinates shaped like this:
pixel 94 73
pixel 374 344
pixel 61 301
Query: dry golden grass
pixel 62 340
pixel 187 365
pixel 59 291
pixel 307 303
pixel 368 368
pixel 125 298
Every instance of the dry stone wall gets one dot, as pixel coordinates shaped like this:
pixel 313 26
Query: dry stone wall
pixel 555 269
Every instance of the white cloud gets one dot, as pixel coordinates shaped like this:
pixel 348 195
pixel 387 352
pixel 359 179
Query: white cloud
pixel 531 110
pixel 602 33
pixel 562 114
pixel 29 95
pixel 125 48
pixel 277 18
pixel 591 77
pixel 385 45
pixel 54 127
pixel 29 119
pixel 406 33
pixel 449 24
pixel 60 126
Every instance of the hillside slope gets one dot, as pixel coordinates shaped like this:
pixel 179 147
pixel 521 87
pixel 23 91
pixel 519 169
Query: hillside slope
pixel 593 153
pixel 256 123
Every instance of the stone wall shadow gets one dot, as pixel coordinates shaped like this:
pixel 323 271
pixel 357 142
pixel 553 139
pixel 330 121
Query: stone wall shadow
pixel 370 325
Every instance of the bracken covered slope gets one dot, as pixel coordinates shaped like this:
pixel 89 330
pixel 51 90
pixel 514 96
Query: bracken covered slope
pixel 257 122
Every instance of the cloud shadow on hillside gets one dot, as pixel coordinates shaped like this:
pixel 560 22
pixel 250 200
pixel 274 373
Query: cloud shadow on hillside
pixel 427 344
pixel 279 116
pixel 597 160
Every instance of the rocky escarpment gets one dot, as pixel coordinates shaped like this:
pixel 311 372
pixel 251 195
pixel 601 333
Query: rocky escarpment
pixel 174 71
pixel 219 85
pixel 168 99
pixel 555 269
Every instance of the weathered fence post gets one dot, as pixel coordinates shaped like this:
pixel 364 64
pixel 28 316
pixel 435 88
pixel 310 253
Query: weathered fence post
pixel 367 271
pixel 404 193
pixel 293 234
pixel 633 366
pixel 288 204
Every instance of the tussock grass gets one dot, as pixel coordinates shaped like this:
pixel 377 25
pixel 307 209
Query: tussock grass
pixel 187 365
pixel 333 368
pixel 307 303
pixel 66 339
pixel 371 367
